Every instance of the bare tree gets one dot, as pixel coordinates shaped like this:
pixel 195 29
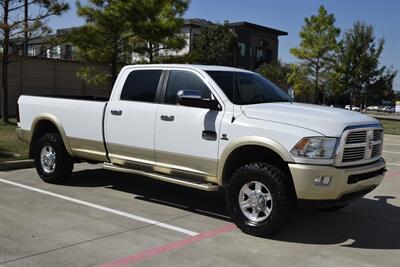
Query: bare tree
pixel 18 26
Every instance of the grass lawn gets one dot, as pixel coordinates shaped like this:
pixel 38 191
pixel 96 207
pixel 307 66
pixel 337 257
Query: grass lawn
pixel 11 148
pixel 391 126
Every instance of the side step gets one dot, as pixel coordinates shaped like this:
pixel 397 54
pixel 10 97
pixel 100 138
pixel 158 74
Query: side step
pixel 189 183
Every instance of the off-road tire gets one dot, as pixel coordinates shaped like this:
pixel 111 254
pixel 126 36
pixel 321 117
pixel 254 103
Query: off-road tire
pixel 281 190
pixel 64 162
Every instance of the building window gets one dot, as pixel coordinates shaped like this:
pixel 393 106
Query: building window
pixel 70 51
pixel 242 49
pixel 31 51
pixel 54 52
pixel 263 56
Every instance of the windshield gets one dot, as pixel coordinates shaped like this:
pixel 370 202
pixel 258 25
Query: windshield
pixel 245 88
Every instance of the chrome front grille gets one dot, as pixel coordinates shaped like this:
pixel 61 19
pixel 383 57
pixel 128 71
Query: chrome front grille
pixel 356 137
pixel 378 134
pixel 376 150
pixel 360 145
pixel 353 153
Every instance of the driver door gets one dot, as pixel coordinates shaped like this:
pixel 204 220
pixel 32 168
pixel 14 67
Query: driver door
pixel 186 138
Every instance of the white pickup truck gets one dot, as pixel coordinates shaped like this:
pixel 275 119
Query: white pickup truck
pixel 211 127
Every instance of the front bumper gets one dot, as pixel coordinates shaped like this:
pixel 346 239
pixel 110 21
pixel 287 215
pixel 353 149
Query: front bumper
pixel 363 179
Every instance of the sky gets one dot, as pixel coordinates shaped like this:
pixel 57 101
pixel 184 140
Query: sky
pixel 288 15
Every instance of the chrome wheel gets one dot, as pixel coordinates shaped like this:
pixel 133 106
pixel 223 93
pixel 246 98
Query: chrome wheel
pixel 48 159
pixel 255 201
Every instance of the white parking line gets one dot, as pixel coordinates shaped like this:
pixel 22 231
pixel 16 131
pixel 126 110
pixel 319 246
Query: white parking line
pixel 391 152
pixel 393 164
pixel 121 213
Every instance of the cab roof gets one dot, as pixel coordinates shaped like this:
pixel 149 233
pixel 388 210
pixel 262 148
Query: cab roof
pixel 191 66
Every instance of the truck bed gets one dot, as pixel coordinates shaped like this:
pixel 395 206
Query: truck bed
pixel 81 119
pixel 77 97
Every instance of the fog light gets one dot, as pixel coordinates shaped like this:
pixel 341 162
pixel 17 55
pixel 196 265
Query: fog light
pixel 322 180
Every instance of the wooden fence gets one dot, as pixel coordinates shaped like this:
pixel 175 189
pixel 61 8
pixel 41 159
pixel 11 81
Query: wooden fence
pixel 47 77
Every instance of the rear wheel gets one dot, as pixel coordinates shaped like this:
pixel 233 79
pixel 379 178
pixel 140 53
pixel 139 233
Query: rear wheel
pixel 260 199
pixel 53 163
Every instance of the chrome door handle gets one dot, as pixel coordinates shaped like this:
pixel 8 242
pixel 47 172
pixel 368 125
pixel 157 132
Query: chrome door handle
pixel 167 118
pixel 116 112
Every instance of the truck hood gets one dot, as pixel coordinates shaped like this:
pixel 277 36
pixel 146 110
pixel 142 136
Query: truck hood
pixel 327 121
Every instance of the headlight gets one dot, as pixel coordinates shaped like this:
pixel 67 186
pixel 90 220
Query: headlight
pixel 315 148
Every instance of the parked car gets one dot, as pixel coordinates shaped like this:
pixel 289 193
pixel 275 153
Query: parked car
pixel 388 109
pixel 372 108
pixel 353 108
pixel 187 125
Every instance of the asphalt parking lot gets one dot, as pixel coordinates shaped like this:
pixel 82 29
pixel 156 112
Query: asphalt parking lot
pixel 113 219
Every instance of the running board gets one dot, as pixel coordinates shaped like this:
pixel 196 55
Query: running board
pixel 189 183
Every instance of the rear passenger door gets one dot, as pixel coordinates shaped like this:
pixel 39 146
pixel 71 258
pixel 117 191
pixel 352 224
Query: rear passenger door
pixel 130 119
pixel 186 138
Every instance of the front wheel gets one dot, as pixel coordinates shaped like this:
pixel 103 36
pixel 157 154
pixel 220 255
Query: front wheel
pixel 260 199
pixel 53 163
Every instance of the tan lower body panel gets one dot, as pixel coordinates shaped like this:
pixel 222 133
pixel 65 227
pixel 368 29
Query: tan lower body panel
pixel 167 163
pixel 204 167
pixel 88 149
pixel 198 184
pixel 304 175
pixel 122 155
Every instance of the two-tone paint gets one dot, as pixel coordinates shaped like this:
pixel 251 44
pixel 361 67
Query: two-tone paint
pixel 138 140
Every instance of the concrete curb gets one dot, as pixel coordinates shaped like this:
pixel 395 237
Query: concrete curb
pixel 16 165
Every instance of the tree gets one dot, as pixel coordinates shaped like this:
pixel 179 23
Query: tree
pixel 299 79
pixel 317 47
pixel 104 43
pixel 13 27
pixel 381 89
pixel 277 72
pixel 215 45
pixel 359 63
pixel 116 29
pixel 160 32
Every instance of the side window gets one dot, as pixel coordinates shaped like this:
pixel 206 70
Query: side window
pixel 141 85
pixel 184 80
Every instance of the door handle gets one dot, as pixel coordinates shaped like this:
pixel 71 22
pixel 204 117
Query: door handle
pixel 116 112
pixel 167 118
pixel 209 135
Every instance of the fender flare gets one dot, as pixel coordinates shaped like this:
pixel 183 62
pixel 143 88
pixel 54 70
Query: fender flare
pixel 53 119
pixel 251 140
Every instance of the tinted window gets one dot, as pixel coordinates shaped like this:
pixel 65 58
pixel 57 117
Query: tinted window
pixel 243 88
pixel 184 80
pixel 141 85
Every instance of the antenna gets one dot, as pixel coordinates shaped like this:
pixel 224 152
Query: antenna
pixel 233 96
